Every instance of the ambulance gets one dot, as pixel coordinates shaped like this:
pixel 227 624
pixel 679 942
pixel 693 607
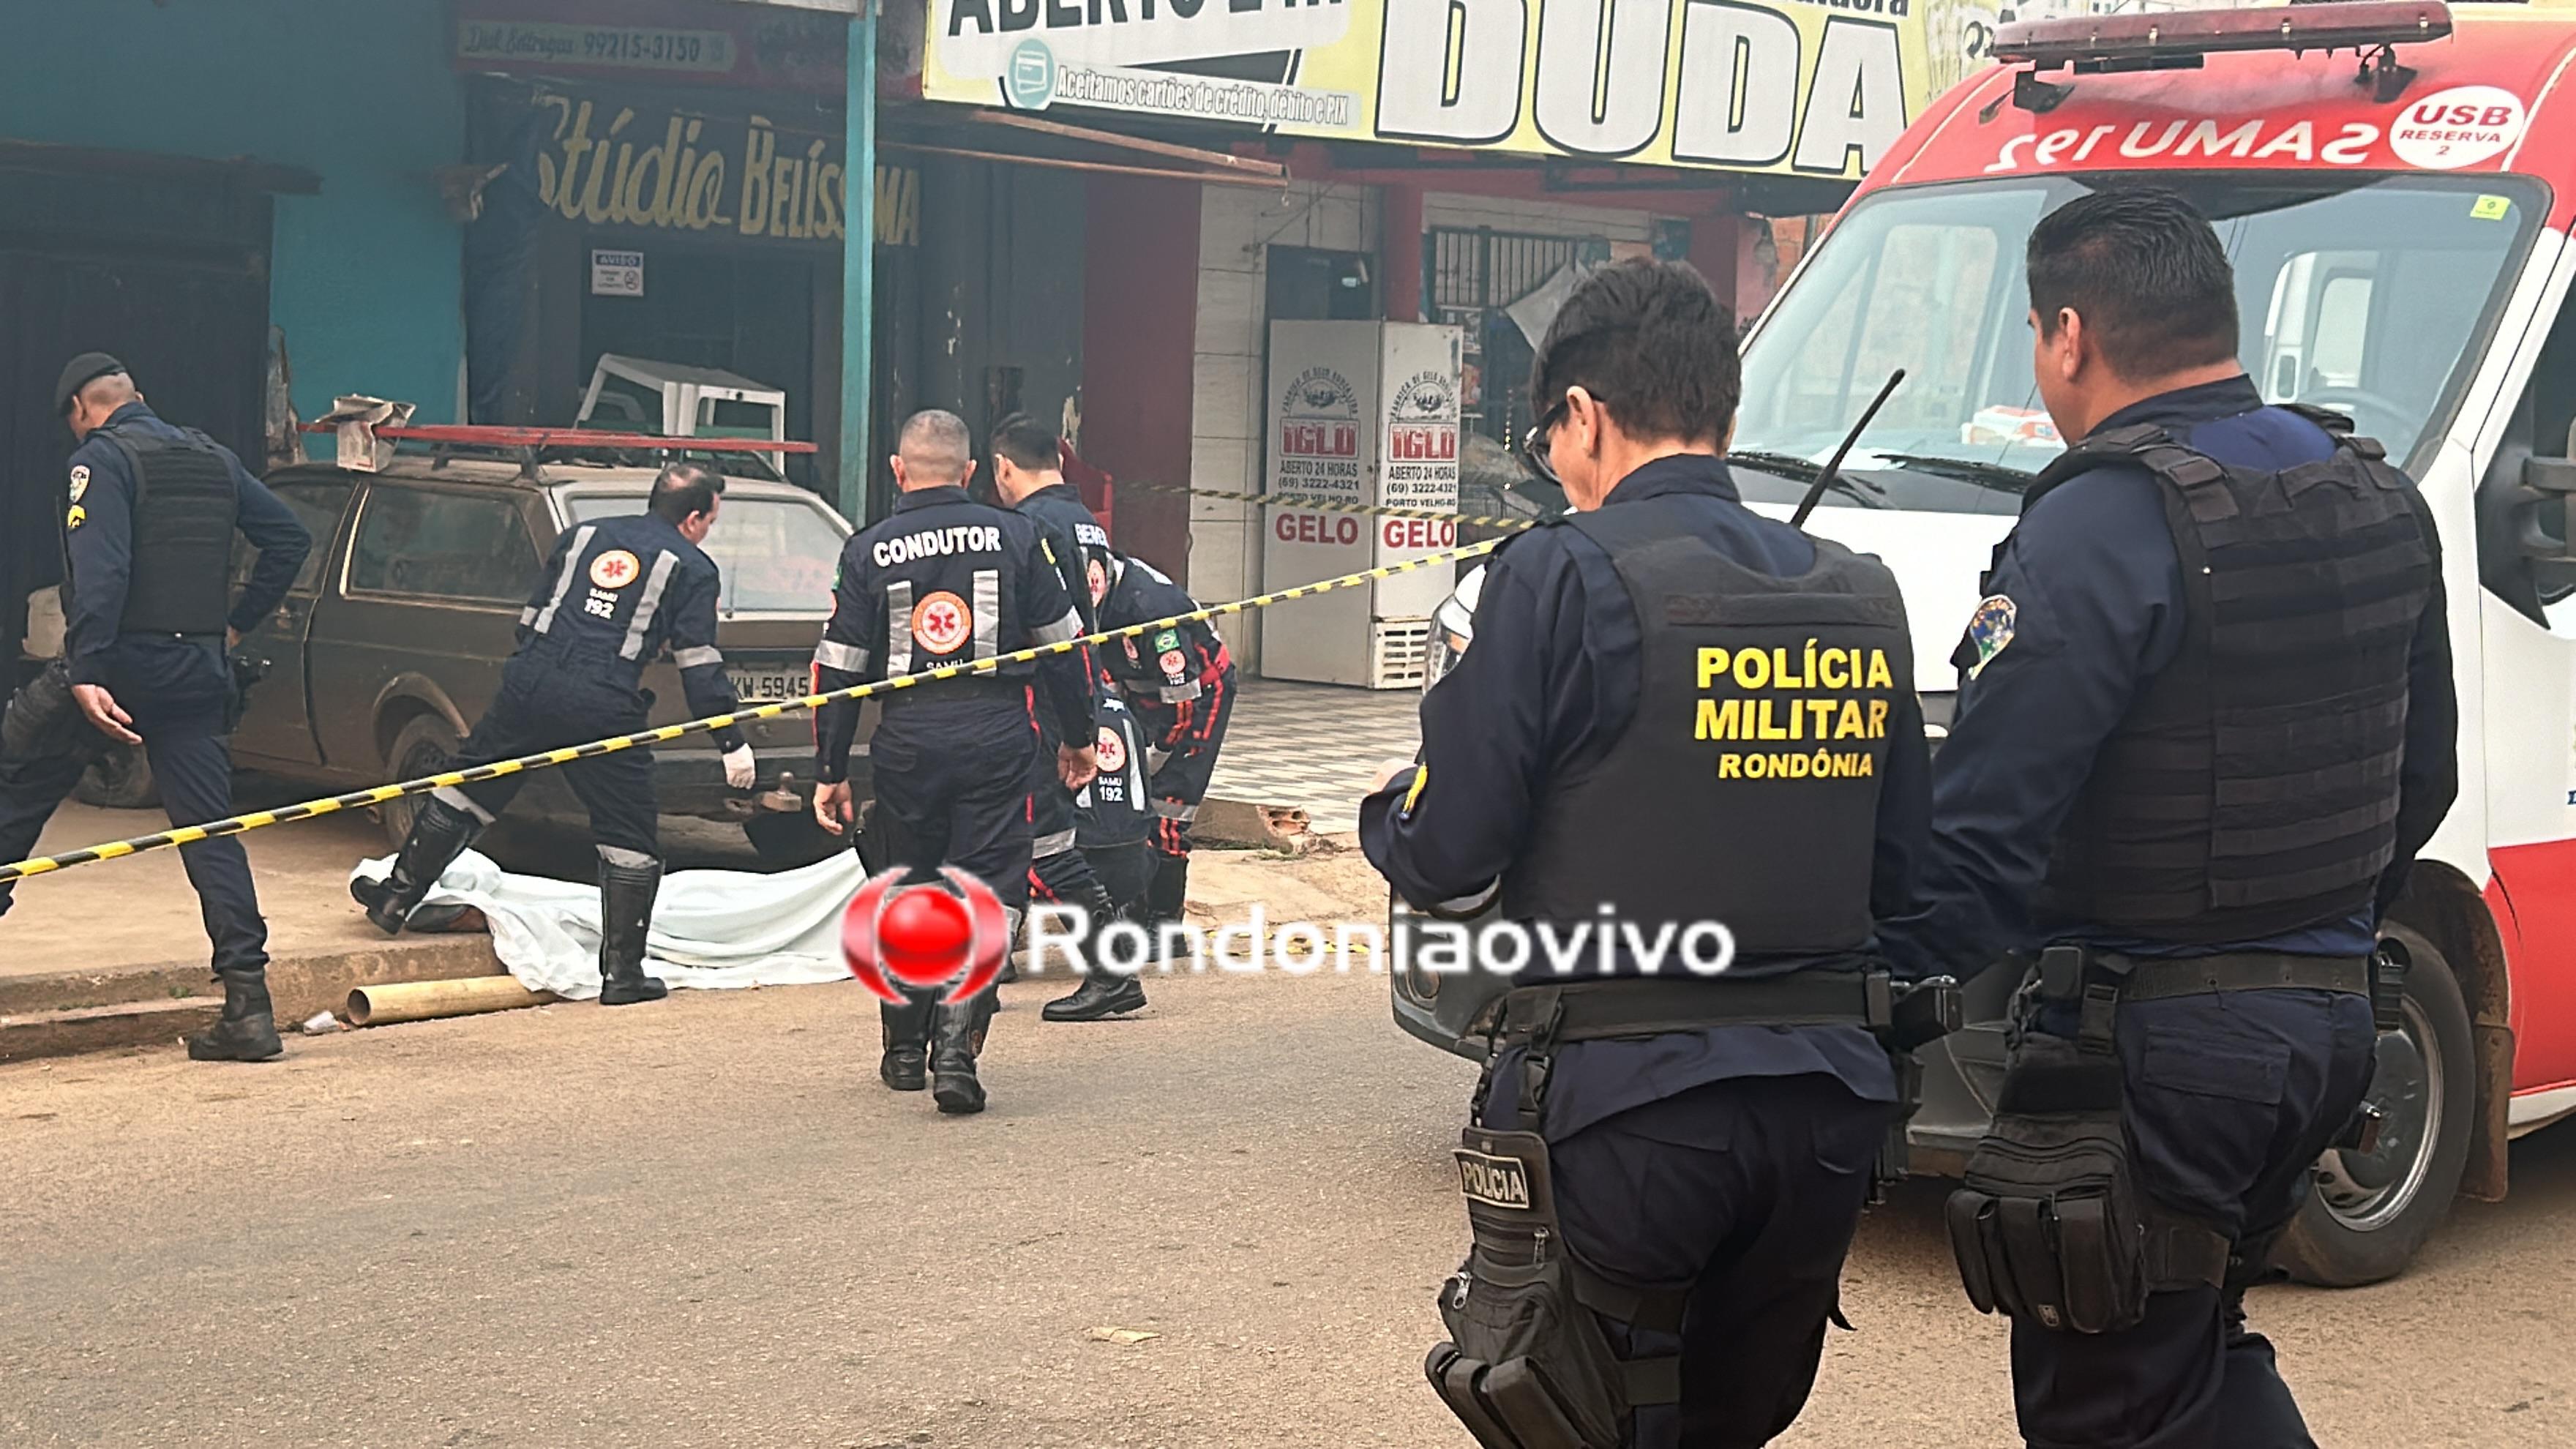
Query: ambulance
pixel 2395 184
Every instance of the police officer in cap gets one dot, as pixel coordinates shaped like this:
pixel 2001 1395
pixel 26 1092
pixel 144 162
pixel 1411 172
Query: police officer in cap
pixel 945 580
pixel 148 539
pixel 612 596
pixel 1026 457
pixel 2205 721
pixel 1677 713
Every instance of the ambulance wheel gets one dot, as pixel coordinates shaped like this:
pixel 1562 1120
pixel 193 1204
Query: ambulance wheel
pixel 119 779
pixel 2367 1213
pixel 424 745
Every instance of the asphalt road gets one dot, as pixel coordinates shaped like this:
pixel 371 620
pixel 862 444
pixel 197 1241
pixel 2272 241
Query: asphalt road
pixel 704 1223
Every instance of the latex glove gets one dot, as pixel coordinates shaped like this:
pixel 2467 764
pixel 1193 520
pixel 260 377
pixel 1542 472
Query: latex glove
pixel 741 771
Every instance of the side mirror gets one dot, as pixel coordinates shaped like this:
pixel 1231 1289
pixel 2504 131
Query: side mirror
pixel 2540 513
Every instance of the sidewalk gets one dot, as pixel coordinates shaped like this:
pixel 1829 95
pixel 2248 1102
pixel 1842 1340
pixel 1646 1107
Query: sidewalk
pixel 114 954
pixel 1313 747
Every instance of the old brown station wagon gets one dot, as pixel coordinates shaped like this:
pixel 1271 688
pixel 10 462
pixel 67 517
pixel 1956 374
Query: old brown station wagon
pixel 391 642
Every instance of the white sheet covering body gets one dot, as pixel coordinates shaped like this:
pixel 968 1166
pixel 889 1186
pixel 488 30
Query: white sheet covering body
pixel 712 929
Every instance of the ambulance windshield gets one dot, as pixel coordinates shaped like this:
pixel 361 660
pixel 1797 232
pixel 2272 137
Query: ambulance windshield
pixel 2368 295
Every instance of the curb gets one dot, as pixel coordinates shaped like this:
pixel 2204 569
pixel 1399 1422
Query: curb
pixel 67 1012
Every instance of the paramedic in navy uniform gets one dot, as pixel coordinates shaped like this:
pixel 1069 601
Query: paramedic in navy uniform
pixel 2110 780
pixel 1720 1167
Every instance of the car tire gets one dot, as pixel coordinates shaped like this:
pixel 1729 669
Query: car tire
pixel 2365 1217
pixel 119 779
pixel 425 745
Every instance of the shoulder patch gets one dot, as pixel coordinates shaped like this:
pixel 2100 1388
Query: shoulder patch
pixel 1990 630
pixel 74 519
pixel 80 481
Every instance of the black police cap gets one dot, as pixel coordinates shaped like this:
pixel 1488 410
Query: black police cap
pixel 79 373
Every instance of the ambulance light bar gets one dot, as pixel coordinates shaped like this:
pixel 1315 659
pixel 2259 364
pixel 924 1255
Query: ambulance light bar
pixel 2180 38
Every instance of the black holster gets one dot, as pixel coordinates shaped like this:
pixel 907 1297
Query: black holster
pixel 245 672
pixel 1527 1365
pixel 2049 1224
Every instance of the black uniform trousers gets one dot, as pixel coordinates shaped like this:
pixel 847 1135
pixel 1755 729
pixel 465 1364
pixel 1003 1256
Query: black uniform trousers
pixel 1746 1193
pixel 1179 784
pixel 2231 1098
pixel 548 700
pixel 176 691
pixel 952 784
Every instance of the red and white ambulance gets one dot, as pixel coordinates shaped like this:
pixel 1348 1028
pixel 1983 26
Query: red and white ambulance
pixel 2395 183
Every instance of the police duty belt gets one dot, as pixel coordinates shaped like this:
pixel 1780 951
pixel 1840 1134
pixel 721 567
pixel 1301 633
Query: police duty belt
pixel 362 799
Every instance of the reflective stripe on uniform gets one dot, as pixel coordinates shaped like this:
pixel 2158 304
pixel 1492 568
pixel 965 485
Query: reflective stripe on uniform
pixel 456 799
pixel 1046 845
pixel 1180 810
pixel 1180 693
pixel 848 658
pixel 649 605
pixel 698 658
pixel 988 612
pixel 527 616
pixel 545 620
pixel 1154 758
pixel 899 627
pixel 1067 628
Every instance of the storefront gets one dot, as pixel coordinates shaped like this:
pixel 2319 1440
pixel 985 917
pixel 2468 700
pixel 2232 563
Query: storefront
pixel 1449 161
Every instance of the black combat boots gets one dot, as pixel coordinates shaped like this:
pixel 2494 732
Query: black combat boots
pixel 439 834
pixel 955 1034
pixel 627 885
pixel 247 1031
pixel 1103 993
pixel 907 1044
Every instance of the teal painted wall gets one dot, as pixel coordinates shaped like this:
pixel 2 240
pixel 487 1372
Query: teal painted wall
pixel 365 277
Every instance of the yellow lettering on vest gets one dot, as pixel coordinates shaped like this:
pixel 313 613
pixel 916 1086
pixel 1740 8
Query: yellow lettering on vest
pixel 1780 676
pixel 1823 710
pixel 1753 669
pixel 1721 721
pixel 1864 766
pixel 1878 719
pixel 1848 726
pixel 1829 670
pixel 1797 719
pixel 1879 678
pixel 1730 767
pixel 1712 668
pixel 1763 728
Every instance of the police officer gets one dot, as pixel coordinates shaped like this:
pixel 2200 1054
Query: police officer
pixel 1677 712
pixel 148 538
pixel 2205 721
pixel 946 580
pixel 1026 455
pixel 1180 682
pixel 611 596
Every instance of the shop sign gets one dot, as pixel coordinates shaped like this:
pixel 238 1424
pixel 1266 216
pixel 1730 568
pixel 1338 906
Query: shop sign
pixel 664 170
pixel 763 47
pixel 1808 87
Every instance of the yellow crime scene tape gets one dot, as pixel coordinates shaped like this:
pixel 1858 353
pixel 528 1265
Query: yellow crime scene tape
pixel 1331 505
pixel 361 799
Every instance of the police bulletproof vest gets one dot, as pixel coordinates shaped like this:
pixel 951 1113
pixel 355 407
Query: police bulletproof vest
pixel 1745 789
pixel 184 507
pixel 2252 788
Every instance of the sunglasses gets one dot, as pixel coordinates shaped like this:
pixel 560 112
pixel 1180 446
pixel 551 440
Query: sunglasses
pixel 1533 454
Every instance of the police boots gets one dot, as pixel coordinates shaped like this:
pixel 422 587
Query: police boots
pixel 1102 994
pixel 438 835
pixel 247 1031
pixel 626 891
pixel 907 1043
pixel 956 1033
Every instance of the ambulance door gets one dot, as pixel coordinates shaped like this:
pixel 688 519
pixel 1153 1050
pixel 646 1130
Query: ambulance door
pixel 2526 722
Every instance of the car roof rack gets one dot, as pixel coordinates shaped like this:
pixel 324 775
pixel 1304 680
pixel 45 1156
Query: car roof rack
pixel 2178 40
pixel 531 447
